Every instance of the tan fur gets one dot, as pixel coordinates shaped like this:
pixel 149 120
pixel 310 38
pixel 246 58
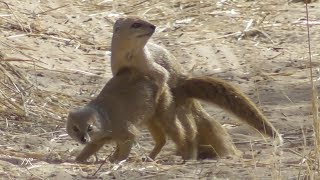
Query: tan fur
pixel 211 138
pixel 195 133
pixel 128 50
pixel 127 99
pixel 229 98
pixel 201 129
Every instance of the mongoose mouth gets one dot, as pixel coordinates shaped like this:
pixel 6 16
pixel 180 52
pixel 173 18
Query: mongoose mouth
pixel 145 35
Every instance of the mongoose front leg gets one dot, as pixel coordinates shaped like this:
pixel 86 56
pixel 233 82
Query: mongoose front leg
pixel 158 136
pixel 115 154
pixel 90 149
pixel 124 145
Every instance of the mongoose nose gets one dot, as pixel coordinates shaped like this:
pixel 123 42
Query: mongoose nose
pixel 83 139
pixel 153 27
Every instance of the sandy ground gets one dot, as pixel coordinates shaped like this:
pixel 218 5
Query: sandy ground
pixel 55 55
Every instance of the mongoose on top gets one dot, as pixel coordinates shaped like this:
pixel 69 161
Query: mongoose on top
pixel 130 35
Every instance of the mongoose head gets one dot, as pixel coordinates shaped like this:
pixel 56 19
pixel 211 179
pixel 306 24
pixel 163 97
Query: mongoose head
pixel 132 32
pixel 82 124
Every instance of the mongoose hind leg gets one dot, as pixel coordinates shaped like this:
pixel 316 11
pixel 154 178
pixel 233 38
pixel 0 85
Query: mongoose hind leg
pixel 213 139
pixel 90 149
pixel 188 122
pixel 176 132
pixel 174 129
pixel 166 117
pixel 158 136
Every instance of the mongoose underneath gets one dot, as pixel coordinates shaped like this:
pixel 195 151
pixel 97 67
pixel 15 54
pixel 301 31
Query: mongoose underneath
pixel 127 99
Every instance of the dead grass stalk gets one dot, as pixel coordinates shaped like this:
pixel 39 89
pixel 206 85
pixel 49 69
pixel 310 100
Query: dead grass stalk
pixel 315 104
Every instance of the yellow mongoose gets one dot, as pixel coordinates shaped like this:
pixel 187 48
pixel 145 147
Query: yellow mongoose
pixel 201 130
pixel 128 50
pixel 209 89
pixel 203 134
pixel 103 119
pixel 127 99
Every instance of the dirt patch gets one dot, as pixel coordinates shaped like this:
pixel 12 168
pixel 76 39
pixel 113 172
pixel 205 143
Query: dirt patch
pixel 55 55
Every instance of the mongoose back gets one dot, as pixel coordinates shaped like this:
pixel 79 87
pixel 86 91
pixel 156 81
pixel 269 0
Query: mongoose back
pixel 130 36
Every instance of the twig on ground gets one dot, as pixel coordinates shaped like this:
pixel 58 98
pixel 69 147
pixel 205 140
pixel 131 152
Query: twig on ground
pixel 44 12
pixel 103 162
pixel 16 17
pixel 17 50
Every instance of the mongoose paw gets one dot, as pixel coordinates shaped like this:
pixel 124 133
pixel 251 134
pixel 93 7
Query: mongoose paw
pixel 116 159
pixel 80 160
pixel 96 157
pixel 115 155
pixel 112 159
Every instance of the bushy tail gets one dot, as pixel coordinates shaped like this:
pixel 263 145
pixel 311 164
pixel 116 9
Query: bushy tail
pixel 230 99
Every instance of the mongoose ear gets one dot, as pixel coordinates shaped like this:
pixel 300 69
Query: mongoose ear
pixel 120 19
pixel 93 120
pixel 72 113
pixel 116 29
pixel 116 26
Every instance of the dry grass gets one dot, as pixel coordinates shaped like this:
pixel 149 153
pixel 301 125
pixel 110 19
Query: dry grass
pixel 36 93
pixel 315 103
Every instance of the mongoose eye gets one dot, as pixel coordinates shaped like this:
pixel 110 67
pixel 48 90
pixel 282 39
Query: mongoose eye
pixel 75 129
pixel 90 128
pixel 136 25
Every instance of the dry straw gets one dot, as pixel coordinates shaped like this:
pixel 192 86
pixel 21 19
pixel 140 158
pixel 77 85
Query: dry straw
pixel 20 97
pixel 315 104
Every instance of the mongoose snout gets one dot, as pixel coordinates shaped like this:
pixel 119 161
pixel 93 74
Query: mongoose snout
pixel 153 27
pixel 83 139
pixel 139 25
pixel 148 27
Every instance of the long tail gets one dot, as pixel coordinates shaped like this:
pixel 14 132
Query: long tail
pixel 230 99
